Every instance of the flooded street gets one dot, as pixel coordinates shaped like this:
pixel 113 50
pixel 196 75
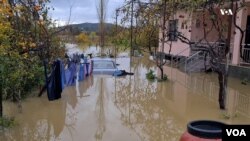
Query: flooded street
pixel 129 108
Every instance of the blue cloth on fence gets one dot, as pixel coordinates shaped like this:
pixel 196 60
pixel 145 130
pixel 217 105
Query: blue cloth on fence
pixel 81 73
pixel 63 77
pixel 85 59
pixel 67 76
pixel 60 78
pixel 71 74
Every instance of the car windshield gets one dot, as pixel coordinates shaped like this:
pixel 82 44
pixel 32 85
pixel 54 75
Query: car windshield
pixel 103 64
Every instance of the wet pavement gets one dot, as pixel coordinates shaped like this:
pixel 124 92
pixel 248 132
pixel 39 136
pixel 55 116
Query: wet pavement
pixel 129 108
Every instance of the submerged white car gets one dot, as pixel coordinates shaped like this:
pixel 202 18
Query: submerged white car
pixel 104 66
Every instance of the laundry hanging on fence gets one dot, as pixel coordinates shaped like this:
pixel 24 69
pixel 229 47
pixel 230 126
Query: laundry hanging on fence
pixel 60 78
pixel 63 77
pixel 70 74
pixel 55 82
pixel 88 67
pixel 81 72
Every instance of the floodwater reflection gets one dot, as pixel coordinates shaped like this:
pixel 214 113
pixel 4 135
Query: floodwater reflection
pixel 126 108
pixel 206 85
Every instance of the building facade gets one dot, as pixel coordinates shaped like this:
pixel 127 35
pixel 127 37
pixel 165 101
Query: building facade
pixel 191 26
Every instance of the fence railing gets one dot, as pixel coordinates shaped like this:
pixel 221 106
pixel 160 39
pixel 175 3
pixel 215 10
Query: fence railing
pixel 237 102
pixel 245 54
pixel 195 62
pixel 175 63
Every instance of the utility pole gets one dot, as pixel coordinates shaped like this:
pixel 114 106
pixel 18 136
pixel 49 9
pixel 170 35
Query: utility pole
pixel 131 30
pixel 116 17
pixel 101 10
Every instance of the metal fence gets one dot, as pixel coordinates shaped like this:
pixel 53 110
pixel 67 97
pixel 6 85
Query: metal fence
pixel 245 54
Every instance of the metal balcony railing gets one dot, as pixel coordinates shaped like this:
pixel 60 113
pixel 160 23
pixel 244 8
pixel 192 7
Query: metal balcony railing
pixel 245 54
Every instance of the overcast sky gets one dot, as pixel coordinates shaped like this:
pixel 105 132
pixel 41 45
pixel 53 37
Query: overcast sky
pixel 82 10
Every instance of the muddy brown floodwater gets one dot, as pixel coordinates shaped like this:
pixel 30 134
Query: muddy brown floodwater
pixel 129 108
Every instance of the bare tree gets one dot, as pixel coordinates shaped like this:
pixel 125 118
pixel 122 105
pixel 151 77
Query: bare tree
pixel 218 51
pixel 238 6
pixel 149 15
pixel 101 10
pixel 160 59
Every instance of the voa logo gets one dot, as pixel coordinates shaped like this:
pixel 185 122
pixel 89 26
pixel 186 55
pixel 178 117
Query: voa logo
pixel 236 132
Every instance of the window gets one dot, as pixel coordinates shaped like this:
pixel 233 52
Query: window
pixel 172 26
pixel 103 64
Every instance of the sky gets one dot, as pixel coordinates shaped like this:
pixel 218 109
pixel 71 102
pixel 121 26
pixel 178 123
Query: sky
pixel 82 11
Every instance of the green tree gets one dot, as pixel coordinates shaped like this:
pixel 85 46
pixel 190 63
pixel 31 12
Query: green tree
pixel 5 33
pixel 148 16
pixel 93 37
pixel 27 37
pixel 82 39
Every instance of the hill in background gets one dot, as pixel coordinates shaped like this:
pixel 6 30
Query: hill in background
pixel 91 27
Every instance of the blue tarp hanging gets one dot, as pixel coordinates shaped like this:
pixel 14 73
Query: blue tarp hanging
pixel 81 72
pixel 71 74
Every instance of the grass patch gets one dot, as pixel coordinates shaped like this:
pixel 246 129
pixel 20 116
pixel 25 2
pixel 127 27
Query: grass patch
pixel 227 116
pixel 244 81
pixel 7 122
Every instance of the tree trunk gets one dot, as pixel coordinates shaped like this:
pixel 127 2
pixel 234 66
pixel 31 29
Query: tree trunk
pixel 223 75
pixel 101 15
pixel 149 46
pixel 223 89
pixel 161 69
pixel 163 38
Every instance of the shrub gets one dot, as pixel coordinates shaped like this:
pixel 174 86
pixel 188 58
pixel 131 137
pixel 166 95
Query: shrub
pixel 165 78
pixel 150 75
pixel 7 122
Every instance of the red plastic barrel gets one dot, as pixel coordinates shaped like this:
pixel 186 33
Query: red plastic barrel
pixel 203 130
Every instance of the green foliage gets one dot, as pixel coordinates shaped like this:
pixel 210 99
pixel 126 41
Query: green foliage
pixel 244 81
pixel 120 37
pixel 150 75
pixel 227 116
pixel 24 44
pixel 165 78
pixel 82 38
pixel 7 122
pixel 21 75
pixel 93 38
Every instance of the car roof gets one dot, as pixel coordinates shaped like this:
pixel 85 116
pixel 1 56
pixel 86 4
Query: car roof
pixel 102 59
